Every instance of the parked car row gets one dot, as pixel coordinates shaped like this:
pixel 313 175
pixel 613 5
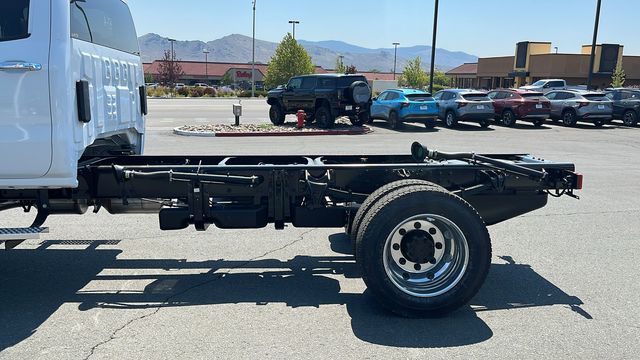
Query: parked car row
pixel 507 106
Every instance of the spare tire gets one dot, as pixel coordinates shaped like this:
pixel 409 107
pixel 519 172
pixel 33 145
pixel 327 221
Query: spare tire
pixel 360 92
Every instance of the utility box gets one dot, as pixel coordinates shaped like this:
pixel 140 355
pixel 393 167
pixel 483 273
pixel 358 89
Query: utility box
pixel 237 110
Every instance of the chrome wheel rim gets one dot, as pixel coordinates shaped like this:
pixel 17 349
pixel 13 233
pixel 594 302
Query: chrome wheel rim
pixel 449 120
pixel 426 255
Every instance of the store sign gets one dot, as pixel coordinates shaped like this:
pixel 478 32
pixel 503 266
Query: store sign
pixel 243 74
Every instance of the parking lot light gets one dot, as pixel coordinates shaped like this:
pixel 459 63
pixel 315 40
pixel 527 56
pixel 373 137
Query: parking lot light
pixel 253 54
pixel 395 58
pixel 294 23
pixel 433 45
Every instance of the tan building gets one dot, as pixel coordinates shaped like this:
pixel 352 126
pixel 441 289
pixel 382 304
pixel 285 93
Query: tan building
pixel 536 60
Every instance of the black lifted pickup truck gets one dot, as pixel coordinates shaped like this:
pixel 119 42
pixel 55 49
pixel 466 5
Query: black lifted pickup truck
pixel 323 97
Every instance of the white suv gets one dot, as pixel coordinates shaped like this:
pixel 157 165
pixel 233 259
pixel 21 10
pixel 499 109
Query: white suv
pixel 71 84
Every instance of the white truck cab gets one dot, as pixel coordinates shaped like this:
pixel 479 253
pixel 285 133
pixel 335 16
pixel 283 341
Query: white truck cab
pixel 71 84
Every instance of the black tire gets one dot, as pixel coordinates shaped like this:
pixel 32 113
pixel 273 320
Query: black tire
pixel 630 118
pixel 324 117
pixel 359 92
pixel 569 118
pixel 458 230
pixel 484 123
pixel 354 226
pixel 361 119
pixel 508 118
pixel 450 120
pixel 393 120
pixel 538 123
pixel 599 123
pixel 276 114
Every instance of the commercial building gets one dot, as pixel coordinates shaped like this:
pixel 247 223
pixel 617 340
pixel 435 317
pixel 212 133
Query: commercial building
pixel 239 73
pixel 536 60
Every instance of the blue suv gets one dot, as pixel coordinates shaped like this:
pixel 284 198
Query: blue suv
pixel 400 105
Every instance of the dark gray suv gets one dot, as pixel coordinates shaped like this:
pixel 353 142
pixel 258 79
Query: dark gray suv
pixel 626 105
pixel 579 105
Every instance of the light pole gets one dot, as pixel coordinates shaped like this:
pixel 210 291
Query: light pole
pixel 556 49
pixel 395 58
pixel 206 65
pixel 341 57
pixel 253 54
pixel 592 58
pixel 172 61
pixel 433 46
pixel 294 23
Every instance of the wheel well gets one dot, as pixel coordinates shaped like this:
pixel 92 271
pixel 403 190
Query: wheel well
pixel 569 109
pixel 320 103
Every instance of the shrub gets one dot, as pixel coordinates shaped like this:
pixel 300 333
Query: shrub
pixel 196 92
pixel 210 92
pixel 184 91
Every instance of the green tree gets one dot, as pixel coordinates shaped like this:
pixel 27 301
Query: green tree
pixel 148 78
pixel 290 59
pixel 440 81
pixel 618 77
pixel 413 76
pixel 227 79
pixel 340 69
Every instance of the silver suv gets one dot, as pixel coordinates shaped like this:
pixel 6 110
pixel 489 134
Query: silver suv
pixel 464 105
pixel 573 106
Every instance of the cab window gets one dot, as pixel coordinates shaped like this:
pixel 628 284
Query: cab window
pixel 294 84
pixel 104 22
pixel 14 20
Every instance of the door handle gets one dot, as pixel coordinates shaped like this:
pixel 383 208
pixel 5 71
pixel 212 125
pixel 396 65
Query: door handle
pixel 20 66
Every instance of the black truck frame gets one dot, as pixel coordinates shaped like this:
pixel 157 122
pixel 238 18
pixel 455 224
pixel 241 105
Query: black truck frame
pixel 417 223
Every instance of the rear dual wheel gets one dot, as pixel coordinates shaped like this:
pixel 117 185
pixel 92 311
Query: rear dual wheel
pixel 423 251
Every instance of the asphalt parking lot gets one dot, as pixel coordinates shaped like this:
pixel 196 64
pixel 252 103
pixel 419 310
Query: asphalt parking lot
pixel 563 283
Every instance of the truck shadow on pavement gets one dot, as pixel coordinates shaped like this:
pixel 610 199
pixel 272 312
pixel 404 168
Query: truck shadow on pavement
pixel 36 283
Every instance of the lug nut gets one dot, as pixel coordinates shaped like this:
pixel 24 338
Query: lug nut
pixel 396 247
pixel 438 246
pixel 402 232
pixel 433 231
pixel 402 261
pixel 417 225
pixel 417 267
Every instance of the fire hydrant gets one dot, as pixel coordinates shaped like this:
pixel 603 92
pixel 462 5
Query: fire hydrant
pixel 301 117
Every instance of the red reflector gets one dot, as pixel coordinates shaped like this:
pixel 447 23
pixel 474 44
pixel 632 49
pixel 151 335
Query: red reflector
pixel 404 104
pixel 578 181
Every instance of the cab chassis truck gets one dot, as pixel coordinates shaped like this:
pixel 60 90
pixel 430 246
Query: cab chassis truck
pixel 417 222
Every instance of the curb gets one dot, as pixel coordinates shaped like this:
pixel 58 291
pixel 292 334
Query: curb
pixel 364 131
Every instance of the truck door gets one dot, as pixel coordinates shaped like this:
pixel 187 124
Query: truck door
pixel 25 117
pixel 290 95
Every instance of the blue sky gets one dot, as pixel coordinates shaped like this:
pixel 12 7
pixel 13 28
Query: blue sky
pixel 479 27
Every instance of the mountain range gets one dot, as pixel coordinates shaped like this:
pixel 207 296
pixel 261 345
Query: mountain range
pixel 237 48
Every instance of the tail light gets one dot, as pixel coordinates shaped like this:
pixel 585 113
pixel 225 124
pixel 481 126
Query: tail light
pixel 578 181
pixel 584 103
pixel 404 105
pixel 461 104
